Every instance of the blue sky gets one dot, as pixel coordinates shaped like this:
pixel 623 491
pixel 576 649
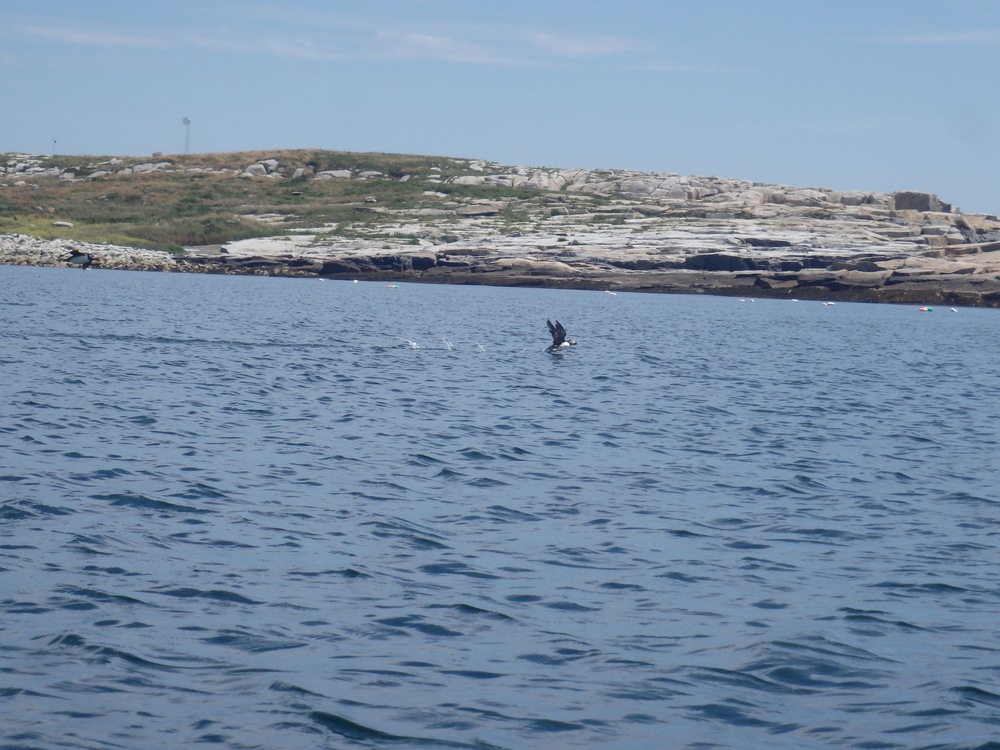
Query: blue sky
pixel 874 95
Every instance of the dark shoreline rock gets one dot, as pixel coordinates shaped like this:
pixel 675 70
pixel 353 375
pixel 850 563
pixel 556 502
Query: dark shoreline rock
pixel 860 281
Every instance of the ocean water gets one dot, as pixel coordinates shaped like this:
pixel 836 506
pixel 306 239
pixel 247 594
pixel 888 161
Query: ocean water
pixel 267 513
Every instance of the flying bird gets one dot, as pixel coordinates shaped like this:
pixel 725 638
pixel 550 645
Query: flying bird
pixel 77 258
pixel 559 340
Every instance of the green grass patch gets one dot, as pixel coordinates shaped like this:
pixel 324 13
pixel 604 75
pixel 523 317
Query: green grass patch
pixel 170 209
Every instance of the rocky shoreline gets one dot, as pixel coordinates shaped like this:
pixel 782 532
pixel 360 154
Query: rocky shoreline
pixel 614 230
pixel 948 280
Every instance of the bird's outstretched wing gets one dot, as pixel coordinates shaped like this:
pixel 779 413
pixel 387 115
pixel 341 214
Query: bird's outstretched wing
pixel 557 331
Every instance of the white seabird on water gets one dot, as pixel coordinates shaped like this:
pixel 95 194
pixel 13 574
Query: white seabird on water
pixel 559 340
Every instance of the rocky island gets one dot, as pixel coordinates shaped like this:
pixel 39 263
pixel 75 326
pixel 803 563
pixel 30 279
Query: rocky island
pixel 444 220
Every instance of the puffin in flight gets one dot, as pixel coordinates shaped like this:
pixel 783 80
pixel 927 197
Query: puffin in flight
pixel 77 258
pixel 559 340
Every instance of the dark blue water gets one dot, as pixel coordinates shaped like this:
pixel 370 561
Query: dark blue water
pixel 245 512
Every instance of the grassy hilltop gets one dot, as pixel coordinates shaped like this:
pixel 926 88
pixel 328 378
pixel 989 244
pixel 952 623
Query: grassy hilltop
pixel 205 199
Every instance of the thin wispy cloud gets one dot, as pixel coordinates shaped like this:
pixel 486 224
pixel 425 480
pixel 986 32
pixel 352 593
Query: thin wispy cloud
pixel 96 38
pixel 685 68
pixel 442 39
pixel 327 36
pixel 582 46
pixel 942 38
pixel 289 48
pixel 441 47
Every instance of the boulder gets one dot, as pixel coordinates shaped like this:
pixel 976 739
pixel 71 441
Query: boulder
pixel 768 282
pixel 480 209
pixel 915 201
pixel 864 265
pixel 806 198
pixel 637 187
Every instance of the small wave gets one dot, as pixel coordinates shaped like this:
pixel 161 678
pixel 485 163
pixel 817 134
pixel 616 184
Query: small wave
pixel 468 609
pixel 341 572
pixel 503 513
pixel 971 694
pixel 487 482
pixel 100 596
pixel 135 500
pixel 738 716
pixel 745 680
pixel 354 731
pixel 570 607
pixel 560 657
pixel 218 595
pixel 473 674
pixel 200 491
pixel 251 642
pixel 100 653
pixel 456 569
pixel 414 535
pixel 474 454
pixel 921 588
pixel 419 624
pixel 447 473
pixel 876 616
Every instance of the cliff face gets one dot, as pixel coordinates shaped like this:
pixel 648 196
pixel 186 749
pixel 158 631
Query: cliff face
pixel 487 224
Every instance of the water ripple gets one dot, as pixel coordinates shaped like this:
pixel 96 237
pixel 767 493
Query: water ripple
pixel 247 512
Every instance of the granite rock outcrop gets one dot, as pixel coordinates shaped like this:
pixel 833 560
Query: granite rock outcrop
pixel 610 229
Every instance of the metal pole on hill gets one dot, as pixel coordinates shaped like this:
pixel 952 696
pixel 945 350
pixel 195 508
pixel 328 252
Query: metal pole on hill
pixel 187 134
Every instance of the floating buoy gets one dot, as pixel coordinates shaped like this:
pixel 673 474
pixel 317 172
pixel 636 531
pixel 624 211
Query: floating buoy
pixel 926 309
pixel 392 286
